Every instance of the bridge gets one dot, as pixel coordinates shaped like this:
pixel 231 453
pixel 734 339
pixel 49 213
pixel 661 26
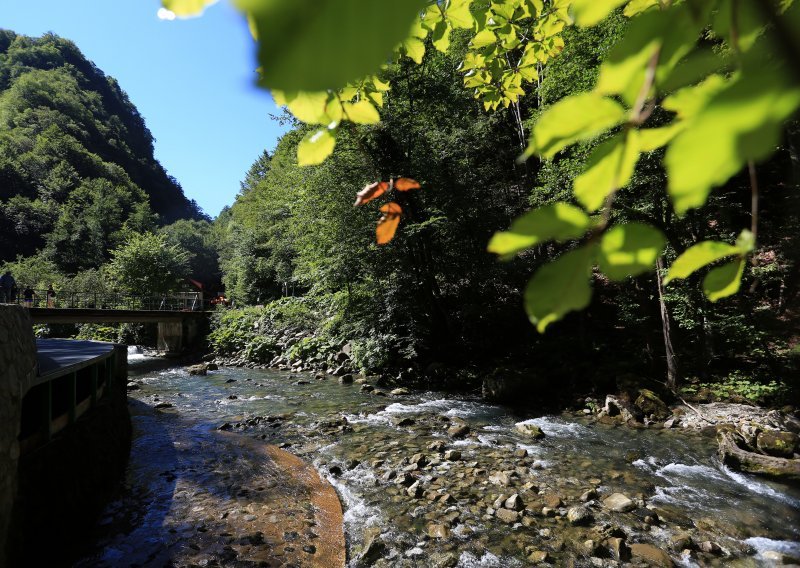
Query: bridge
pixel 178 316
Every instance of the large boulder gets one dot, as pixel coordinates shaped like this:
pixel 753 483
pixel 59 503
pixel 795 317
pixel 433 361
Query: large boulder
pixel 779 444
pixel 652 406
pixel 653 555
pixel 530 430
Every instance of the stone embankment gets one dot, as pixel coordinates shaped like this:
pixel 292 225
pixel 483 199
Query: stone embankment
pixel 17 373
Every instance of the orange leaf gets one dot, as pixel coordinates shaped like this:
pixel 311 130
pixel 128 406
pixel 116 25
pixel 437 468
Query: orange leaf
pixel 387 224
pixel 404 184
pixel 371 191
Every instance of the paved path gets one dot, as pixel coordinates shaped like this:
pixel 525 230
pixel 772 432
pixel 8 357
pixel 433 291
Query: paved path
pixel 61 356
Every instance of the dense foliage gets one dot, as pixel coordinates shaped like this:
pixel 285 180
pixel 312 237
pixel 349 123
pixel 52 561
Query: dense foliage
pixel 76 160
pixel 434 294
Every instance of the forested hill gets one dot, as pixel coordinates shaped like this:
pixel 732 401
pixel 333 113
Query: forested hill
pixel 76 158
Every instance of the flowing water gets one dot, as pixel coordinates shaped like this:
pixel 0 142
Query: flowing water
pixel 362 445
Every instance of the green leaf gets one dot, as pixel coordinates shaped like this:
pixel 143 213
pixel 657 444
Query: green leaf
pixel 697 256
pixel 609 168
pixel 186 8
pixel 578 117
pixel 315 147
pixel 622 71
pixel 560 287
pixel 441 36
pixel 557 221
pixel 311 108
pixel 483 38
pixel 590 12
pixel 654 138
pixel 415 49
pixel 723 281
pixel 361 112
pixel 689 101
pixel 636 7
pixel 629 250
pixel 741 122
pixel 459 15
pixel 746 242
pixel 314 45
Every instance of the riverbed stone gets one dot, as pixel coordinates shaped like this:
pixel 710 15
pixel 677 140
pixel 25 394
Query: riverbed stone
pixel 778 444
pixel 452 455
pixel 652 555
pixel 500 478
pixel 538 557
pixel 437 530
pixel 399 391
pixel 345 379
pixel 619 503
pixel 458 431
pixel 530 430
pixel 552 501
pixel 651 405
pixel 579 516
pixel 514 503
pixel 507 516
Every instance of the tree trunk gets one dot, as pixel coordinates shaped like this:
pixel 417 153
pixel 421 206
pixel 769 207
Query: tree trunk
pixel 778 468
pixel 672 365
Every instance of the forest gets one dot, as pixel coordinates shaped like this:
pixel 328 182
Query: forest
pixel 433 305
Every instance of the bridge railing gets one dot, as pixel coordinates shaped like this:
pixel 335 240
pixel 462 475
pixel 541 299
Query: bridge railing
pixel 182 301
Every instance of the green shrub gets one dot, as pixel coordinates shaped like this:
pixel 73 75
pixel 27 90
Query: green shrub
pixel 737 384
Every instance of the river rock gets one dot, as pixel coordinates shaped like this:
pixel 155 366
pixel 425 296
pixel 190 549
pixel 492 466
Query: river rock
pixel 499 478
pixel 399 391
pixel 539 557
pixel 652 406
pixel 552 501
pixel 436 530
pixel 514 503
pixel 452 455
pixel 507 516
pixel 345 379
pixel 579 516
pixel 200 369
pixel 619 503
pixel 652 555
pixel 778 444
pixel 531 430
pixel 367 388
pixel 458 431
pixel 618 549
pixel 374 549
pixel 401 421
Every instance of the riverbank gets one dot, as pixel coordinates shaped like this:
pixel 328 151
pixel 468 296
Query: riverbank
pixel 429 479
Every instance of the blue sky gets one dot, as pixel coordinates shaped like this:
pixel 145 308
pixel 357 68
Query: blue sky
pixel 192 81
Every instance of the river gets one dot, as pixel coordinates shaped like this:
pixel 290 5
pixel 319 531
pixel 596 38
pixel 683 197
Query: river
pixel 184 471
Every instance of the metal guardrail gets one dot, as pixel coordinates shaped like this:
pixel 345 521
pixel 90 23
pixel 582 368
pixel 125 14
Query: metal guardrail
pixel 181 302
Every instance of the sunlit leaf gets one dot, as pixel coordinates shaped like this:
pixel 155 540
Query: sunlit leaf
pixel 483 38
pixel 741 122
pixel 315 147
pixel 654 138
pixel 557 221
pixel 186 8
pixel 697 256
pixel 459 15
pixel 609 168
pixel 578 117
pixel 560 287
pixel 387 224
pixel 371 191
pixel 636 7
pixel 441 36
pixel 723 281
pixel 362 112
pixel 590 12
pixel 406 184
pixel 415 49
pixel 689 101
pixel 629 250
pixel 313 45
pixel 310 107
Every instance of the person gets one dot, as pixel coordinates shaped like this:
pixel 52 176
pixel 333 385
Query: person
pixel 27 296
pixel 51 297
pixel 7 285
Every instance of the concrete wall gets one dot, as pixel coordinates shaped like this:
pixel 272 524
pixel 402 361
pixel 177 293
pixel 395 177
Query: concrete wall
pixel 17 372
